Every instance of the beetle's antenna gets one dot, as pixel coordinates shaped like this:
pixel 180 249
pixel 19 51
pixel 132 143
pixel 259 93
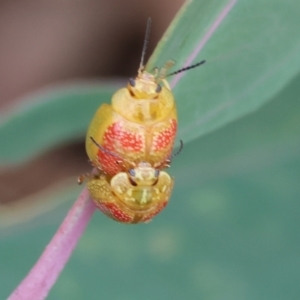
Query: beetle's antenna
pixel 120 159
pixel 162 73
pixel 168 161
pixel 179 150
pixel 187 68
pixel 104 149
pixel 146 40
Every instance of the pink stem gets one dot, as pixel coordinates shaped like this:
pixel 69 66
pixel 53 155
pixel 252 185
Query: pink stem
pixel 40 279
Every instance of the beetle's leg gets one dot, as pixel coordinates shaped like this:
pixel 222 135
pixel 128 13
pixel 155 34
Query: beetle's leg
pixel 163 165
pixel 84 176
pixel 96 174
pixel 91 163
pixel 95 165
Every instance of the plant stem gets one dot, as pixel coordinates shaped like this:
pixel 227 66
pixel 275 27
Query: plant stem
pixel 43 275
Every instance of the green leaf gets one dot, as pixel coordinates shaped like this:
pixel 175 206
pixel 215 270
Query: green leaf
pixel 252 51
pixel 47 119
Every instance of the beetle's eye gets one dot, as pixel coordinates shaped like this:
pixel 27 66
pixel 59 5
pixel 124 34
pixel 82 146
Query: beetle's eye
pixel 132 82
pixel 132 172
pixel 156 173
pixel 158 89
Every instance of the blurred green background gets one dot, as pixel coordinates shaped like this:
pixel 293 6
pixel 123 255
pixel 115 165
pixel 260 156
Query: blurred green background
pixel 231 228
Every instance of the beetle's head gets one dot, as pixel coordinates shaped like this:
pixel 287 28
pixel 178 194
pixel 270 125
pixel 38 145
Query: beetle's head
pixel 143 174
pixel 144 86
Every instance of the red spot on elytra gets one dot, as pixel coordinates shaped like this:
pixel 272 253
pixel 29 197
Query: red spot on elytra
pixel 119 142
pixel 166 137
pixel 117 139
pixel 109 163
pixel 113 211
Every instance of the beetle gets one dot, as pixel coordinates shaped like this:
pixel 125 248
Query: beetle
pixel 135 196
pixel 140 124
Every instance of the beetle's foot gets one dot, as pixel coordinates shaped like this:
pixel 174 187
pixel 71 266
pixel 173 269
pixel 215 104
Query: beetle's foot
pixel 84 176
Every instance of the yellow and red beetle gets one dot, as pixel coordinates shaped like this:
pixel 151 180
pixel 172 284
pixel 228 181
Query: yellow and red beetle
pixel 140 124
pixel 135 196
pixel 139 129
